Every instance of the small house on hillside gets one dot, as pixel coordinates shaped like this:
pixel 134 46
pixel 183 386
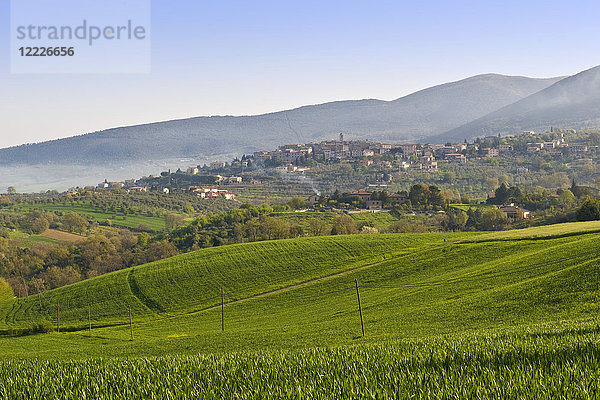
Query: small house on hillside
pixel 513 212
pixel 362 194
pixel 461 158
pixel 314 198
pixel 397 198
pixel 374 204
pixel 227 195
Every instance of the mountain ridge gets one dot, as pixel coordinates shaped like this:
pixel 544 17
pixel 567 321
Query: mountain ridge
pixel 428 111
pixel 572 102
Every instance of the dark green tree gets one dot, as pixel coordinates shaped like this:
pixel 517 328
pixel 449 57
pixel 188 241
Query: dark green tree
pixel 589 210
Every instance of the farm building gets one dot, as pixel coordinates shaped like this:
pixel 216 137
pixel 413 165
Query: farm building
pixel 514 212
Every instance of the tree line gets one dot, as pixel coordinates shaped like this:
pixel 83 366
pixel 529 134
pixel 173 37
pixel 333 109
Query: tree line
pixel 34 268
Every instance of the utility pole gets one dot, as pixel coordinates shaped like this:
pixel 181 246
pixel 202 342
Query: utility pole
pixel 58 317
pixel 222 311
pixel 130 323
pixel 362 324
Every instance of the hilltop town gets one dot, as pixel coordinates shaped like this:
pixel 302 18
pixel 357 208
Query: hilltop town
pixel 365 153
pixel 475 169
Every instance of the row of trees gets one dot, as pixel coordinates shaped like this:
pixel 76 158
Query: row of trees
pixel 36 222
pixel 423 197
pixel 420 197
pixel 121 202
pixel 249 224
pixel 538 200
pixel 44 266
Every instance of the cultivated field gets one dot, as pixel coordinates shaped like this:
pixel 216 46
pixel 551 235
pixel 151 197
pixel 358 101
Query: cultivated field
pixel 28 240
pixel 499 315
pixel 544 365
pixel 61 236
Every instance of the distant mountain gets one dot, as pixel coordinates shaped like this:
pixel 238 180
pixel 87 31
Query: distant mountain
pixel 573 102
pixel 420 114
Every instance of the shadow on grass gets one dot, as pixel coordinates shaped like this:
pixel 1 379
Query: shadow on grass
pixel 544 237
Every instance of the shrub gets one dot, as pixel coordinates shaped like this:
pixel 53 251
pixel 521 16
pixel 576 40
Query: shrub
pixel 589 210
pixel 6 291
pixel 368 230
pixel 343 225
pixel 42 326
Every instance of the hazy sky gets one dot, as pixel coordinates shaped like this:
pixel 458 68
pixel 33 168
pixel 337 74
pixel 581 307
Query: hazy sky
pixel 249 57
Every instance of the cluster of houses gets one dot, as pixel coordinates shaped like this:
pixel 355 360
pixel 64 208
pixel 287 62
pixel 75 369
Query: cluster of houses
pixel 207 192
pixel 368 199
pixel 220 179
pixel 408 156
pixel 202 192
pixel 361 152
pixel 374 203
pixel 127 184
pixel 291 158
pixel 325 150
pixel 557 146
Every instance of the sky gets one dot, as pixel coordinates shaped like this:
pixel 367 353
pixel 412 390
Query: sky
pixel 251 57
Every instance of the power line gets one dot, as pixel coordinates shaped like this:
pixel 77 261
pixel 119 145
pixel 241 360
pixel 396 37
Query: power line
pixel 291 296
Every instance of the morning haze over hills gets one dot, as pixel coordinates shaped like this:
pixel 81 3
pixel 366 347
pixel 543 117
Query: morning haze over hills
pixel 482 105
pixel 573 101
pixel 413 117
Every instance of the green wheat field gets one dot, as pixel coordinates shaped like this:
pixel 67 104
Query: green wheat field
pixel 507 315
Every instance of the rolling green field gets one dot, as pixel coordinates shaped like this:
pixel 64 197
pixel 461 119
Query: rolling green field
pixel 382 220
pixel 534 366
pixel 500 315
pixel 305 219
pixel 116 218
pixel 193 281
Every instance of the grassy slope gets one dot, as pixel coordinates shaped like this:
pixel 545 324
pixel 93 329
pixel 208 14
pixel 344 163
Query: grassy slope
pixel 424 287
pixel 117 219
pixel 193 281
pixel 381 221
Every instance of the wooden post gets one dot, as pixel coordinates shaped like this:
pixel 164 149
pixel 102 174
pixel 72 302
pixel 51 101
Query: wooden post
pixel 362 324
pixel 130 323
pixel 58 317
pixel 222 311
pixel 90 319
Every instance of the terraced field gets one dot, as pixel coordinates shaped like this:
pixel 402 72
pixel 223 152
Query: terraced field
pixel 508 314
